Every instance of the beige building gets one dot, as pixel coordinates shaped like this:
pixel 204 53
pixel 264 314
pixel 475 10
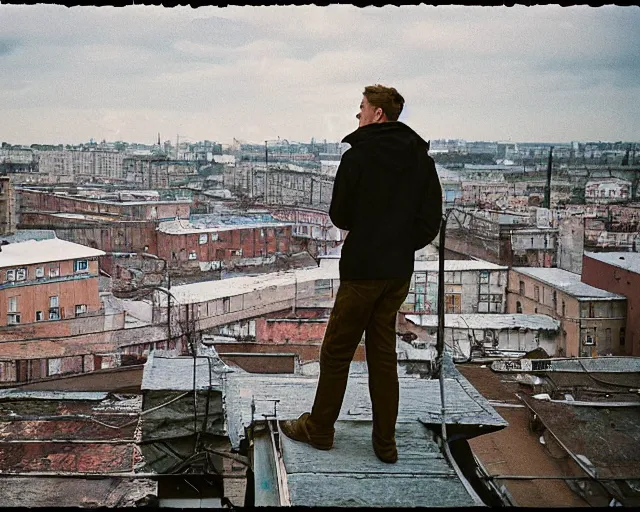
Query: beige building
pixel 592 321
pixel 56 164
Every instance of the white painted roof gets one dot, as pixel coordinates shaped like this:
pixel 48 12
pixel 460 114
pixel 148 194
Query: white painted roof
pixel 177 227
pixel 44 251
pixel 488 321
pixel 212 290
pixel 567 282
pixel 456 265
pixel 627 260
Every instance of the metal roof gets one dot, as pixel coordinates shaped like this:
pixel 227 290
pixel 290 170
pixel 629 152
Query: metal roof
pixel 42 251
pixel 291 395
pixel 351 475
pixel 170 373
pixel 627 260
pixel 567 282
pixel 488 321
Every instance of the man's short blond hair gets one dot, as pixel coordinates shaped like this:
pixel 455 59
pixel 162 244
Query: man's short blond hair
pixel 387 98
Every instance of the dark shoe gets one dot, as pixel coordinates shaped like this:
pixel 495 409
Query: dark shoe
pixel 298 430
pixel 388 454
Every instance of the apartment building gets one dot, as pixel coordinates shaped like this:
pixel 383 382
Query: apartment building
pixel 57 165
pixel 47 280
pixel 592 320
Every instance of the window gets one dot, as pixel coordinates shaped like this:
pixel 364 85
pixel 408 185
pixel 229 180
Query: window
pixel 522 288
pixel 54 313
pixel 11 275
pixel 80 265
pixel 452 303
pixel 81 308
pixel 226 305
pixel 203 239
pixel 54 272
pixel 591 310
pixel 519 307
pixel 21 274
pixel 39 316
pixel 39 271
pixel 555 300
pixel 536 293
pixel 192 255
pixel 53 302
pixel 622 333
pixel 484 277
pixel 13 318
pixel 12 305
pixel 564 309
pixel 588 340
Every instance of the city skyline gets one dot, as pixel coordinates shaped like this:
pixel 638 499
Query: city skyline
pixel 525 74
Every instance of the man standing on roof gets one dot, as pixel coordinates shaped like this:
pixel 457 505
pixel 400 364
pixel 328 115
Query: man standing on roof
pixel 387 195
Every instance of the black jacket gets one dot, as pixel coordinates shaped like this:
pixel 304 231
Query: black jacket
pixel 388 196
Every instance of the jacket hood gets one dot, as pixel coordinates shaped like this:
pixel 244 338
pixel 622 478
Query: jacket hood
pixel 395 132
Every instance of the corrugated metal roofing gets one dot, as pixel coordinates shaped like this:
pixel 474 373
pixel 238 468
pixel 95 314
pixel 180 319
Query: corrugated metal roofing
pixel 488 321
pixel 291 395
pixel 351 475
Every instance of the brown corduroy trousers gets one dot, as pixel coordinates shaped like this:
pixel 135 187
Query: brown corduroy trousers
pixel 368 306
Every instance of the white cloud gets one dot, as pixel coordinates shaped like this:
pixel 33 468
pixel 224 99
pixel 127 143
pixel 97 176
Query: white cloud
pixel 526 73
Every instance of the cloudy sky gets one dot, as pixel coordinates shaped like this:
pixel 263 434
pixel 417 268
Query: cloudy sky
pixel 543 73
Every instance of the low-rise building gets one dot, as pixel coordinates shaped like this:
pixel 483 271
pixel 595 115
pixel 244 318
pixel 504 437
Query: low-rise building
pixel 592 320
pixel 618 272
pixel 186 246
pixel 609 190
pixel 471 286
pixel 47 280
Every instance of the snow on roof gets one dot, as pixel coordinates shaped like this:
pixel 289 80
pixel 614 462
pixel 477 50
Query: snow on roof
pixel 43 251
pixel 211 290
pixel 177 227
pixel 488 321
pixel 627 260
pixel 456 265
pixel 567 282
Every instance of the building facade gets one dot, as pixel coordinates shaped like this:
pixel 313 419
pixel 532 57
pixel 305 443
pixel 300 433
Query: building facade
pixel 47 280
pixel 618 272
pixel 592 320
pixel 189 247
pixel 471 286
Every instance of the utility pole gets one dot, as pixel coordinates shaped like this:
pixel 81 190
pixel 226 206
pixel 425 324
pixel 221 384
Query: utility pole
pixel 547 191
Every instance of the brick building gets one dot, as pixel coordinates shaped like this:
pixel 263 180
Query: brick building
pixel 47 280
pixel 186 246
pixel 38 201
pixel 592 320
pixel 618 272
